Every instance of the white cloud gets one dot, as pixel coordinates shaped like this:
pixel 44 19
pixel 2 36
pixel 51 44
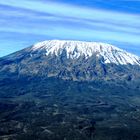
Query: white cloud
pixel 101 24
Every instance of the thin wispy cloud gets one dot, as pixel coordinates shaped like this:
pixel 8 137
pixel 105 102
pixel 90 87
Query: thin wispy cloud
pixel 61 20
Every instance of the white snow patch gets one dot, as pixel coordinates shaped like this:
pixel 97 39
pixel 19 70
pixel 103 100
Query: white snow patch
pixel 74 49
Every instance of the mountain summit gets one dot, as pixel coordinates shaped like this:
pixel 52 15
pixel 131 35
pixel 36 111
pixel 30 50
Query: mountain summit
pixel 72 60
pixel 75 49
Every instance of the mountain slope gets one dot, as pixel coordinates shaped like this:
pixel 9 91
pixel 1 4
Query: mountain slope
pixel 72 60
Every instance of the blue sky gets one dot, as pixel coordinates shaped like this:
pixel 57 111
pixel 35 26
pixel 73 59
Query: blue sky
pixel 25 22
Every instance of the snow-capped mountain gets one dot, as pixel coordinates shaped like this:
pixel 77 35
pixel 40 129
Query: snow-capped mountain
pixel 72 60
pixel 75 49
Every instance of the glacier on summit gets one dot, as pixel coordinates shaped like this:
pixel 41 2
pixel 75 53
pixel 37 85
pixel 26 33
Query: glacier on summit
pixel 75 49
